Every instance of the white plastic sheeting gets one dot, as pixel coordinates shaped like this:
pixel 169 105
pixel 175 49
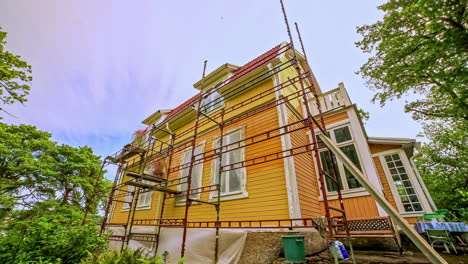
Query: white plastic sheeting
pixel 199 247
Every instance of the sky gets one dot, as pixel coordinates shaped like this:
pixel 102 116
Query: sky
pixel 101 67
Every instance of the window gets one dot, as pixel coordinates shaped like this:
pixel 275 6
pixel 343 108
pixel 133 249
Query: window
pixel 327 166
pixel 144 198
pixel 343 138
pixel 197 170
pixel 212 102
pixel 232 181
pixel 402 183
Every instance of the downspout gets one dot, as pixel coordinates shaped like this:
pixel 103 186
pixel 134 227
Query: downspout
pixel 420 179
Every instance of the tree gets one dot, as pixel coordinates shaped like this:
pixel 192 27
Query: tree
pixel 421 47
pixel 444 162
pixel 15 74
pixel 33 168
pixel 49 233
pixel 46 189
pixel 25 165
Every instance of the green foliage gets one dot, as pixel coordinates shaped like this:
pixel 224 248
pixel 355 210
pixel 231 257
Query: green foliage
pixel 421 47
pixel 444 163
pixel 46 192
pixel 15 74
pixel 49 233
pixel 364 115
pixel 127 256
pixel 34 168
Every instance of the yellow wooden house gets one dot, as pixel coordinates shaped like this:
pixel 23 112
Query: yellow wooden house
pixel 267 173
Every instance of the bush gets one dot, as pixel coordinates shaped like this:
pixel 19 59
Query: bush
pixel 45 235
pixel 127 256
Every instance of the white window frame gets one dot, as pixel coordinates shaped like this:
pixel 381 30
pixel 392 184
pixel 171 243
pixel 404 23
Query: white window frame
pixel 214 107
pixel 411 177
pixel 180 200
pixel 242 193
pixel 346 192
pixel 139 206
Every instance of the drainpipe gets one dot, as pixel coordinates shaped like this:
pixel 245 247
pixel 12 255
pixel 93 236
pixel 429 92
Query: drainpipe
pixel 420 179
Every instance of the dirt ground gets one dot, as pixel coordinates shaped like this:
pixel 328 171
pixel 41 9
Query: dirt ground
pixel 372 257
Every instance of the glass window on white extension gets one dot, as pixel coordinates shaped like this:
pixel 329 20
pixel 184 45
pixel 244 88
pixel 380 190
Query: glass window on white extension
pixel 343 138
pixel 144 198
pixel 197 170
pixel 232 179
pixel 212 102
pixel 402 182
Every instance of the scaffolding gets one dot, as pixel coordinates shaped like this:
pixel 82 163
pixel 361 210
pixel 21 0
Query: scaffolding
pixel 135 157
pixel 149 150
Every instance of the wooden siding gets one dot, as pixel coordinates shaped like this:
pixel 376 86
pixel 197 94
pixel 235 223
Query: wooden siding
pixel 307 185
pixel 265 184
pixel 330 119
pixel 411 220
pixel 383 179
pixel 376 148
pixel 362 206
pixel 307 179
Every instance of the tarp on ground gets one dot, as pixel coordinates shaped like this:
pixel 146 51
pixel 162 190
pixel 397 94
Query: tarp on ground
pixel 199 247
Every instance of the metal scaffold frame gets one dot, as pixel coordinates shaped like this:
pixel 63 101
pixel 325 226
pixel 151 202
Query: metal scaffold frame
pixel 133 158
pixel 201 120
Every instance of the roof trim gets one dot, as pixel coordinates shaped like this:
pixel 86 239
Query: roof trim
pixel 390 141
pixel 155 116
pixel 221 70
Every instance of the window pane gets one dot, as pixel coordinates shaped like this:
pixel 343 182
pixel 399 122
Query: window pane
pixel 184 172
pixel 234 137
pixel 128 196
pixel 217 167
pixel 327 168
pixel 234 180
pixel 223 182
pixel 211 102
pixel 235 156
pixel 404 186
pixel 350 152
pixel 144 198
pixel 231 180
pixel 320 143
pixel 342 134
pixel 197 171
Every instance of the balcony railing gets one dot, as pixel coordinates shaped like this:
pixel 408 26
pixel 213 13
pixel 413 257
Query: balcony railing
pixel 331 100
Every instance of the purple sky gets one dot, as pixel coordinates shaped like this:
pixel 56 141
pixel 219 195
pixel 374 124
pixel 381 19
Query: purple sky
pixel 100 67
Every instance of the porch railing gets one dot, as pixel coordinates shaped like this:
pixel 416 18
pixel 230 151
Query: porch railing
pixel 331 100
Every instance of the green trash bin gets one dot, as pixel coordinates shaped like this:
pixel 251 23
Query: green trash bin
pixel 294 250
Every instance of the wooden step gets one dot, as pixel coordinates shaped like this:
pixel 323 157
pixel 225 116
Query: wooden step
pixel 146 177
pixel 130 151
pixel 152 187
pixel 127 152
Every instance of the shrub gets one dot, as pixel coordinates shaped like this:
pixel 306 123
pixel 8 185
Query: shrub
pixel 49 236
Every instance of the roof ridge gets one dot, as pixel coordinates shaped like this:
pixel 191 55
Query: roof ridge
pixel 243 70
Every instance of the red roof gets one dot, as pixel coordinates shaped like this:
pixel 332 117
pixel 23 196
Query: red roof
pixel 250 66
pixel 257 62
pixel 182 107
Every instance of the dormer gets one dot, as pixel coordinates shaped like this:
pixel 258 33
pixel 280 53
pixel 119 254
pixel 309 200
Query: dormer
pixel 217 76
pixel 156 117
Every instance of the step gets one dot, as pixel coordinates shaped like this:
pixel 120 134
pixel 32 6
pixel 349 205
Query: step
pixel 146 177
pixel 130 151
pixel 152 187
